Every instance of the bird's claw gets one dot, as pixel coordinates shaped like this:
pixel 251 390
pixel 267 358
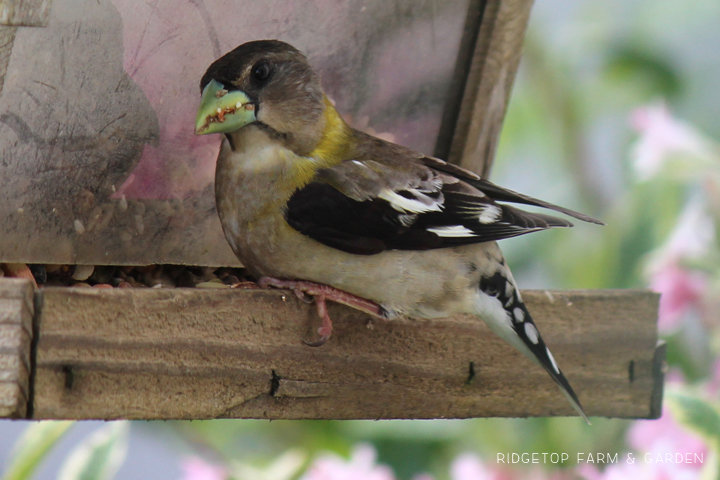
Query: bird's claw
pixel 326 328
pixel 318 343
pixel 303 296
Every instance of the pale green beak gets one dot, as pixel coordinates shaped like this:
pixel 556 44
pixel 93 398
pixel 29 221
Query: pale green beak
pixel 223 111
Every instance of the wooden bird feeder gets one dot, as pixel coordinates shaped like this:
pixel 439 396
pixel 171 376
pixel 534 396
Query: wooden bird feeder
pixel 101 168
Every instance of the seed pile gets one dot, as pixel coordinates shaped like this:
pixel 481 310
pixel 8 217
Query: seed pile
pixel 146 276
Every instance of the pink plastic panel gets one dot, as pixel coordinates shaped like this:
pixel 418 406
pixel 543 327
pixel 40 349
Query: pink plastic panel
pixel 97 153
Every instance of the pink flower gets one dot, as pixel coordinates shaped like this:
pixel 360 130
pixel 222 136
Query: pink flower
pixel 662 136
pixel 665 435
pixel 469 467
pixel 694 235
pixel 360 466
pixel 639 470
pixel 667 452
pixel 682 288
pixel 195 468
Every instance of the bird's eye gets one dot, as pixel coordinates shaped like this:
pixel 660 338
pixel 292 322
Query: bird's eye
pixel 261 71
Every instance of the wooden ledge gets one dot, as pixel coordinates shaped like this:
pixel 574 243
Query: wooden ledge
pixel 195 353
pixel 16 319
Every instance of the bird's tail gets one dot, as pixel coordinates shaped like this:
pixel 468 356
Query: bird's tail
pixel 501 307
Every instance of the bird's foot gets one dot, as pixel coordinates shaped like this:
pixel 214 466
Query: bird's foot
pixel 326 328
pixel 320 294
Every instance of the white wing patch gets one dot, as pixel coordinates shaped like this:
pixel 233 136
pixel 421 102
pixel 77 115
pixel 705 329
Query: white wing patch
pixel 454 231
pixel 490 214
pixel 407 220
pixel 420 204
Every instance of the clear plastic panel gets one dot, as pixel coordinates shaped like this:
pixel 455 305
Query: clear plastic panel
pixel 99 161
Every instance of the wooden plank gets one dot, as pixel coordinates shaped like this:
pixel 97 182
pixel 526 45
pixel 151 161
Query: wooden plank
pixel 16 314
pixel 489 83
pixel 28 13
pixel 193 353
pixel 7 37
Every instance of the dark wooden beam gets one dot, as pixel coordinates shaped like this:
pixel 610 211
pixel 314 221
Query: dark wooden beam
pixel 193 353
pixel 489 83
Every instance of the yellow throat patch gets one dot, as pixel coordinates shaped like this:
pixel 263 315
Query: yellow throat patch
pixel 335 146
pixel 336 142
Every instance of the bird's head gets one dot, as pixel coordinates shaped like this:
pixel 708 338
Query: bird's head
pixel 268 83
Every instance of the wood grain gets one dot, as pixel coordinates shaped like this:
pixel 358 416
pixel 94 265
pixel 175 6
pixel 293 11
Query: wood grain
pixel 192 353
pixel 16 314
pixel 489 83
pixel 28 13
pixel 7 37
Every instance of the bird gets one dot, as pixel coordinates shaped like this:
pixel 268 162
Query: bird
pixel 308 203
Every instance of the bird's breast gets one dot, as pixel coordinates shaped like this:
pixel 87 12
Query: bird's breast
pixel 253 182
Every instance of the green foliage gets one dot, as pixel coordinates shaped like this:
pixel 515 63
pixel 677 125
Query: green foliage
pixel 32 448
pixel 631 63
pixel 703 417
pixel 98 456
pixel 286 466
pixel 697 414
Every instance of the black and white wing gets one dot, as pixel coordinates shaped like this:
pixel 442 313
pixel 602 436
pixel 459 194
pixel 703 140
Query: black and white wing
pixel 500 194
pixel 368 206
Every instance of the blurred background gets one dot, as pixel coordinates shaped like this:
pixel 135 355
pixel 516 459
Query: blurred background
pixel 614 113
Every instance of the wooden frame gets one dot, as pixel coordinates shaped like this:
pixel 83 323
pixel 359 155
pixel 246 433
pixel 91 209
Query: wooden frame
pixel 16 320
pixel 496 56
pixel 25 13
pixel 192 353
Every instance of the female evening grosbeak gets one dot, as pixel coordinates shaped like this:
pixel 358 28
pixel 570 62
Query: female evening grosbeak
pixel 311 204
